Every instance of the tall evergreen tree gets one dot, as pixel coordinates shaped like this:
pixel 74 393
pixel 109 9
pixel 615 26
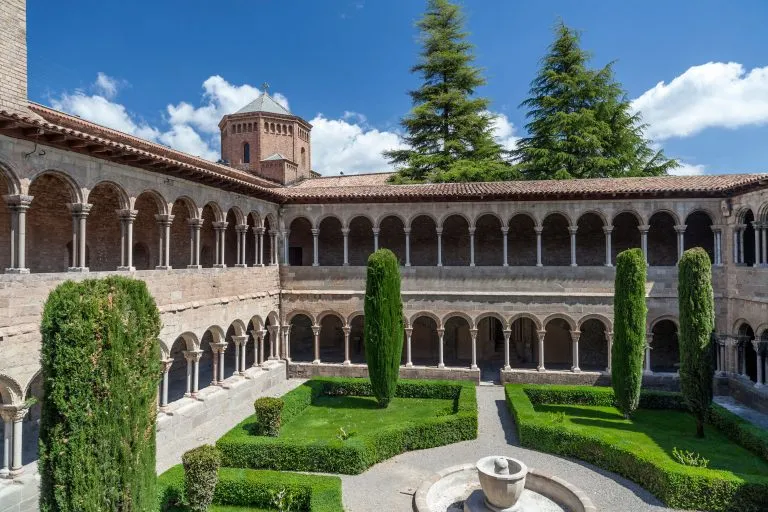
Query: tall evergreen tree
pixel 580 122
pixel 448 132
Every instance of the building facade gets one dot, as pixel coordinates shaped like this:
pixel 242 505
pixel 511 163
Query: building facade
pixel 255 264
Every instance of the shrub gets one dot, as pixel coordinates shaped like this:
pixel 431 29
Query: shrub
pixel 268 411
pixel 689 458
pixel 383 324
pixel 357 453
pixel 201 466
pixel 697 321
pixel 629 311
pixel 101 369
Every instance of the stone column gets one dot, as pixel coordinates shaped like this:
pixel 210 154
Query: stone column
pixel 287 343
pixel 504 232
pixel 220 229
pixel 126 239
pixel 608 230
pixel 316 341
pixel 439 232
pixel 609 340
pixel 473 333
pixel 741 230
pixel 441 363
pixel 273 248
pixel 260 251
pixel 407 246
pixel 240 343
pixel 648 348
pixel 215 361
pixel 765 243
pixel 164 224
pixel 472 246
pixel 222 349
pixel 7 417
pixel 241 230
pixel 538 230
pixel 573 230
pixel 375 239
pixel 79 216
pixel 345 234
pixel 167 363
pixel 18 205
pixel 286 234
pixel 12 416
pixel 717 247
pixel 347 329
pixel 759 360
pixel 260 337
pixel 189 356
pixel 507 334
pixel 194 242
pixel 408 353
pixel 575 335
pixel 680 230
pixel 273 341
pixel 644 240
pixel 542 334
pixel 756 228
pixel 315 251
pixel 735 256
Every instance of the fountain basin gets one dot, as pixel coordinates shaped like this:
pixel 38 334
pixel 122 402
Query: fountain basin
pixel 502 480
pixel 451 489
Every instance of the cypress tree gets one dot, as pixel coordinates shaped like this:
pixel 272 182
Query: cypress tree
pixel 101 369
pixel 580 122
pixel 697 322
pixel 629 317
pixel 448 133
pixel 383 324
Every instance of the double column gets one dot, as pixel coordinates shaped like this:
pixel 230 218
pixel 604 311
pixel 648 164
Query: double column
pixel 644 228
pixel 167 363
pixel 717 233
pixel 316 340
pixel 218 350
pixel 760 363
pixel 80 213
pixel 680 230
pixel 242 231
pixel 194 242
pixel 193 372
pixel 126 239
pixel 575 335
pixel 220 234
pixel 18 205
pixel 241 344
pixel 164 246
pixel 258 233
pixel 12 416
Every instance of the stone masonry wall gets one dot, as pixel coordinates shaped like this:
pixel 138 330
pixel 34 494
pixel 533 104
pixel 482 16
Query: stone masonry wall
pixel 13 55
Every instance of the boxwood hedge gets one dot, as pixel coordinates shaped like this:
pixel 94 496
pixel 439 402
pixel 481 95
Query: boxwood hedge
pixel 678 486
pixel 255 488
pixel 241 449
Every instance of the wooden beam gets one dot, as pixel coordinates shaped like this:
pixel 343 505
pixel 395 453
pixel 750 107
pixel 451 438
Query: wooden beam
pixel 79 144
pixel 8 125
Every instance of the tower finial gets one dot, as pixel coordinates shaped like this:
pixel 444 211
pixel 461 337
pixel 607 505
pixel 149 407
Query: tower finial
pixel 265 86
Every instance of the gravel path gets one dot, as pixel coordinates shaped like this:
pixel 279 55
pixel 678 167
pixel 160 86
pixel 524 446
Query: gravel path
pixel 390 485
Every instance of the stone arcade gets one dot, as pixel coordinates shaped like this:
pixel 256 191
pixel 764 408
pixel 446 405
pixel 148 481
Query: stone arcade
pixel 258 266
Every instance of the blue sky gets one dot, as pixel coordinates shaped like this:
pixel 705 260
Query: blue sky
pixel 167 70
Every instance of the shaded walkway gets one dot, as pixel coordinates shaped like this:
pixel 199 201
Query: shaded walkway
pixel 391 484
pixel 739 409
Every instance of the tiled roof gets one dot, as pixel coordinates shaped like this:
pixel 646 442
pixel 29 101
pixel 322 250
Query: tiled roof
pixel 274 156
pixel 265 103
pixel 353 180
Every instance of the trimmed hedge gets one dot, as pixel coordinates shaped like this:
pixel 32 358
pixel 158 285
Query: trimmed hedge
pixel 241 449
pixel 268 412
pixel 201 466
pixel 255 488
pixel 678 486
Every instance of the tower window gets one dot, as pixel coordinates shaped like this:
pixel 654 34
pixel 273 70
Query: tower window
pixel 246 153
pixel 303 158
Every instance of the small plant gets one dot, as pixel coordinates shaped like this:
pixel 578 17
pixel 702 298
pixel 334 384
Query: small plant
pixel 268 412
pixel 201 473
pixel 689 458
pixel 283 499
pixel 343 434
pixel 557 417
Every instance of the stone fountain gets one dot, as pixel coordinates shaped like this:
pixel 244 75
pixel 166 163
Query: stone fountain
pixel 498 484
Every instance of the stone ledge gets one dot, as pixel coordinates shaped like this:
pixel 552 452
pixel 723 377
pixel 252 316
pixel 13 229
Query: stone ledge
pixel 309 370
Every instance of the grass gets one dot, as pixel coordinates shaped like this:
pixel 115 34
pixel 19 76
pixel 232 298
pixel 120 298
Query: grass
pixel 657 432
pixel 357 414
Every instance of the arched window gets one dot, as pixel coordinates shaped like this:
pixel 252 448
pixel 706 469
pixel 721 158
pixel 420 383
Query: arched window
pixel 303 158
pixel 246 153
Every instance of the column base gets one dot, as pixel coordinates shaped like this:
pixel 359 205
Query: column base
pixel 473 367
pixel 471 264
pixel 81 270
pixel 647 372
pixel 540 369
pixel 539 265
pixel 316 361
pixel 347 363
pixel 758 385
pixel 575 369
pixel 163 267
pixel 16 472
pixel 17 271
pixel 574 265
pixel 241 265
pixel 219 265
pixel 194 267
pixel 315 264
pixel 441 365
pixel 126 269
pixel 409 365
pixel 507 368
pixel 608 265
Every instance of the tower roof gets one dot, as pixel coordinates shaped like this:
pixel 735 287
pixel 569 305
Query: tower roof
pixel 264 103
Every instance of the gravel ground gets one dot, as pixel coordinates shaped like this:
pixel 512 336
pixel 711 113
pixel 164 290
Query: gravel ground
pixel 390 485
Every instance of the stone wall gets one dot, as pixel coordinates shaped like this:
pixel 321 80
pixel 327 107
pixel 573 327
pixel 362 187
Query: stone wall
pixel 13 55
pixel 308 370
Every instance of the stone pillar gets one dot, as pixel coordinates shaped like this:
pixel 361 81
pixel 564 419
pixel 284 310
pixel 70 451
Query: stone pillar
pixel 680 230
pixel 538 230
pixel 241 230
pixel 260 246
pixel 644 240
pixel 573 230
pixel 345 234
pixel 194 242
pixel 648 348
pixel 12 416
pixel 439 232
pixel 220 229
pixel 507 334
pixel 473 333
pixel 756 228
pixel 609 340
pixel 79 216
pixel 7 418
pixel 18 205
pixel 347 329
pixel 316 340
pixel 167 363
pixel 222 349
pixel 759 360
pixel 735 255
pixel 504 232
pixel 260 338
pixel 441 363
pixel 273 248
pixel 215 361
pixel 164 225
pixel 765 243
pixel 287 343
pixel 608 230
pixel 471 246
pixel 240 344
pixel 717 245
pixel 408 352
pixel 376 238
pixel 315 251
pixel 407 246
pixel 285 236
pixel 273 341
pixel 741 229
pixel 126 239
pixel 542 334
pixel 189 356
pixel 575 335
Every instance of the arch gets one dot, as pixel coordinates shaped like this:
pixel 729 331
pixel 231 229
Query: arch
pixel 354 315
pixel 273 318
pixel 157 197
pixel 530 316
pixel 597 212
pixel 527 214
pixel 662 239
pixel 256 322
pixel 237 213
pixel 29 391
pixel 748 238
pixel 561 316
pixel 103 226
pixel 662 318
pixel 146 231
pixel 490 343
pixel 524 341
pixel 11 179
pixel 384 216
pixel 456 250
pixel 177 374
pixel 457 340
pixel 300 242
pixel 698 232
pixel 330 241
pixel 425 341
pixel 555 213
pixel 491 214
pixel 49 249
pixel 357 339
pixel 596 316
pixel 671 213
pixel 189 204
pixel 558 342
pixel 492 314
pixel 217 333
pixel 360 239
pixel 489 243
pixel 328 312
pixel 762 212
pixel 423 240
pixel 459 314
pixel 665 349
pixel 593 344
pixel 301 337
pixel 239 327
pixel 590 239
pixel 556 240
pixel 448 215
pixel 255 217
pixel 182 211
pixel 328 215
pixel 392 235
pixel 218 214
pixel 10 391
pixel 762 330
pixel 522 237
pixel 427 314
pixel 416 215
pixel 72 187
pixel 295 312
pixel 626 232
pixel 123 201
pixel 631 212
pixel 331 338
pixel 31 422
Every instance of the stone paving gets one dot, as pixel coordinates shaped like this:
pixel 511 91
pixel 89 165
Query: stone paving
pixel 756 417
pixel 390 485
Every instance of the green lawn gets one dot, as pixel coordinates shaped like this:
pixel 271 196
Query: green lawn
pixel 321 420
pixel 657 432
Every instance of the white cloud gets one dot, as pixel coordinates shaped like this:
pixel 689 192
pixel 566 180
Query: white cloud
pixel 504 132
pixel 106 85
pixel 715 94
pixel 687 169
pixel 102 111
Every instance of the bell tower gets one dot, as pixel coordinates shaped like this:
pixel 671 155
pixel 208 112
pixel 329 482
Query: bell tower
pixel 266 139
pixel 13 56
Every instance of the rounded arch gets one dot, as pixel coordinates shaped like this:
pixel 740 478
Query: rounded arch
pixel 191 340
pixel 491 314
pixel 239 327
pixel 360 239
pixel 354 315
pixel 427 314
pixel 273 318
pixel 74 189
pixel 530 316
pixel 383 216
pixel 299 218
pixel 255 217
pixel 351 218
pixel 11 178
pixel 524 213
pixel 218 214
pixel 189 204
pixel 762 330
pixel 561 316
pixel 29 392
pixel 671 213
pixel 292 314
pixel 629 211
pixel 10 391
pixel 157 197
pixel 269 220
pixel 596 211
pixel 489 240
pixel 328 215
pixel 490 213
pixel 662 238
pixel 392 235
pixel 561 213
pixel 415 216
pixel 330 240
pixel 738 324
pixel 702 211
pixel 122 195
pixel 665 348
pixel 556 239
pixel 217 333
pixel 590 238
pixel 256 322
pixel 300 241
pixel 328 312
pixel 743 212
pixel 762 212
pixel 237 213
pixel 301 337
pixel 671 318
pixel 423 240
pixel 448 215
pixel 458 314
pixel 596 316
